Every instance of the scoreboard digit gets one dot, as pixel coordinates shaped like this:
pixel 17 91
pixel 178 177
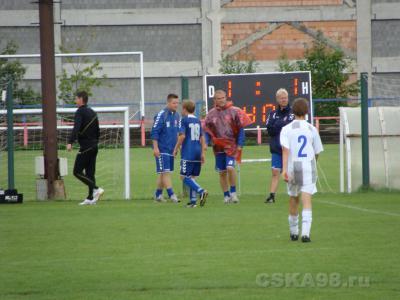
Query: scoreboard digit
pixel 255 93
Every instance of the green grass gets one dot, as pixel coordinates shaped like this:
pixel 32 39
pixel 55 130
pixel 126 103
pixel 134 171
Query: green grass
pixel 141 250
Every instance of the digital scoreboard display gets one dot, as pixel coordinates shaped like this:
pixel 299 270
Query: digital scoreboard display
pixel 255 92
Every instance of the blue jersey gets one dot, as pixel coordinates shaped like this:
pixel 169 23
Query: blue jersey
pixel 165 130
pixel 190 126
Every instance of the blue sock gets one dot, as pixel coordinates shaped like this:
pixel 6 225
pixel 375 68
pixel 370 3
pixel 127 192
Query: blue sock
pixel 190 182
pixel 193 196
pixel 170 192
pixel 158 192
pixel 233 189
pixel 227 194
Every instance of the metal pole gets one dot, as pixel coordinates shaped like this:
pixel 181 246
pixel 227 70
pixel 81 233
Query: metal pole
pixel 10 135
pixel 185 87
pixel 364 130
pixel 47 63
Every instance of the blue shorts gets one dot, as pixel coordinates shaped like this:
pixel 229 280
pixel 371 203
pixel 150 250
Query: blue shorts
pixel 164 163
pixel 223 161
pixel 276 161
pixel 190 168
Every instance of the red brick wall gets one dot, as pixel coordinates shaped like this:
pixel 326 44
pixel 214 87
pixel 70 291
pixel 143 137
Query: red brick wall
pixel 286 38
pixel 253 3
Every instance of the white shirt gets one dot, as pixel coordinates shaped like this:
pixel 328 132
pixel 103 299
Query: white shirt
pixel 303 141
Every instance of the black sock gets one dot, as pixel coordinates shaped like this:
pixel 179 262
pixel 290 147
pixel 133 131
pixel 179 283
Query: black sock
pixel 272 195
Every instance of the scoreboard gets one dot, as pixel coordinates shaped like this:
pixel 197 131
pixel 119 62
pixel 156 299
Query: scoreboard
pixel 255 92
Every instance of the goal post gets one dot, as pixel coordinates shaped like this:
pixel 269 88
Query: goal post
pixel 123 123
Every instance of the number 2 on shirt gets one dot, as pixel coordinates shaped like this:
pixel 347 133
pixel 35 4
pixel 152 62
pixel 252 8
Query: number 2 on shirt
pixel 194 131
pixel 302 139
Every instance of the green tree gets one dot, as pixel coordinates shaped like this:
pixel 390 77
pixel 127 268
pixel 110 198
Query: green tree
pixel 230 66
pixel 14 70
pixel 330 73
pixel 82 78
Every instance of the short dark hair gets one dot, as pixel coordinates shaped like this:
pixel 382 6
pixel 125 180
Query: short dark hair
pixel 189 106
pixel 83 95
pixel 300 107
pixel 172 96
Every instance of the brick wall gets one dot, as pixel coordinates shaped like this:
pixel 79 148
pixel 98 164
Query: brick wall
pixel 286 38
pixel 255 3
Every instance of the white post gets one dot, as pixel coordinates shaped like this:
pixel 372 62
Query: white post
pixel 126 154
pixel 348 149
pixel 239 181
pixel 384 144
pixel 341 151
pixel 142 114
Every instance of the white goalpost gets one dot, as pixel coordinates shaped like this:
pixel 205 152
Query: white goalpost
pixel 124 124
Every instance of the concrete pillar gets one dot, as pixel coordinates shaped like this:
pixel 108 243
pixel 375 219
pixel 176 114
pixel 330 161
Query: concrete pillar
pixel 211 35
pixel 364 40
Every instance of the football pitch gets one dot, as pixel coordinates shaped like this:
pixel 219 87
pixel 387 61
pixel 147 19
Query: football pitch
pixel 139 249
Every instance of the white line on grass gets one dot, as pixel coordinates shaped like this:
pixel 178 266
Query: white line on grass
pixel 372 211
pixel 167 254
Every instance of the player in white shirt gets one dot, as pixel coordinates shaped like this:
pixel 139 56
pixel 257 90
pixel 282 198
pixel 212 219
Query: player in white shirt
pixel 301 145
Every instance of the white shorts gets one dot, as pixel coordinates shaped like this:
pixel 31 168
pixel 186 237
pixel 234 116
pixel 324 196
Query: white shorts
pixel 294 189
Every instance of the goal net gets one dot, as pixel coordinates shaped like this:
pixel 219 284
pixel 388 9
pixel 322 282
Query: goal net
pixel 113 163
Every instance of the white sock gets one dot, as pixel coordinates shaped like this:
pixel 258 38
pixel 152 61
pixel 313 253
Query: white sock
pixel 306 222
pixel 294 224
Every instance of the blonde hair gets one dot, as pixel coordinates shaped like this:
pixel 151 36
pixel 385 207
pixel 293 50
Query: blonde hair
pixel 189 105
pixel 281 91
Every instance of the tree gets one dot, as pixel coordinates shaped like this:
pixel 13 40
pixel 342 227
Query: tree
pixel 82 78
pixel 14 70
pixel 230 66
pixel 330 73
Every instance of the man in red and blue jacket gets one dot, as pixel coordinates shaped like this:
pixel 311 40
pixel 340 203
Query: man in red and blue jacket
pixel 277 119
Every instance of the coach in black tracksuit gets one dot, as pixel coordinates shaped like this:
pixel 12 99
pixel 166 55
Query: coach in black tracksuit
pixel 86 130
pixel 277 119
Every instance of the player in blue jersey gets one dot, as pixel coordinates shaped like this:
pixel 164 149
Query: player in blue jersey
pixel 164 135
pixel 193 146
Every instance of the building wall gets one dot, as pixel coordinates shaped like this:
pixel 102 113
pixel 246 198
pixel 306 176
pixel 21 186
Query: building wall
pixel 158 42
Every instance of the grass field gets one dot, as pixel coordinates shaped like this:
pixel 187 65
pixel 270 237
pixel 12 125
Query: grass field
pixel 141 250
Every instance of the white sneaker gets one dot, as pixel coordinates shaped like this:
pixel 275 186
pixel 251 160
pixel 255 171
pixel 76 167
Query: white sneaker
pixel 227 199
pixel 86 202
pixel 234 198
pixel 159 198
pixel 97 193
pixel 174 198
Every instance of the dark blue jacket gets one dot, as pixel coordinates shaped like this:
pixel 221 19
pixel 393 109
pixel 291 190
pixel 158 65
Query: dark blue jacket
pixel 165 130
pixel 276 120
